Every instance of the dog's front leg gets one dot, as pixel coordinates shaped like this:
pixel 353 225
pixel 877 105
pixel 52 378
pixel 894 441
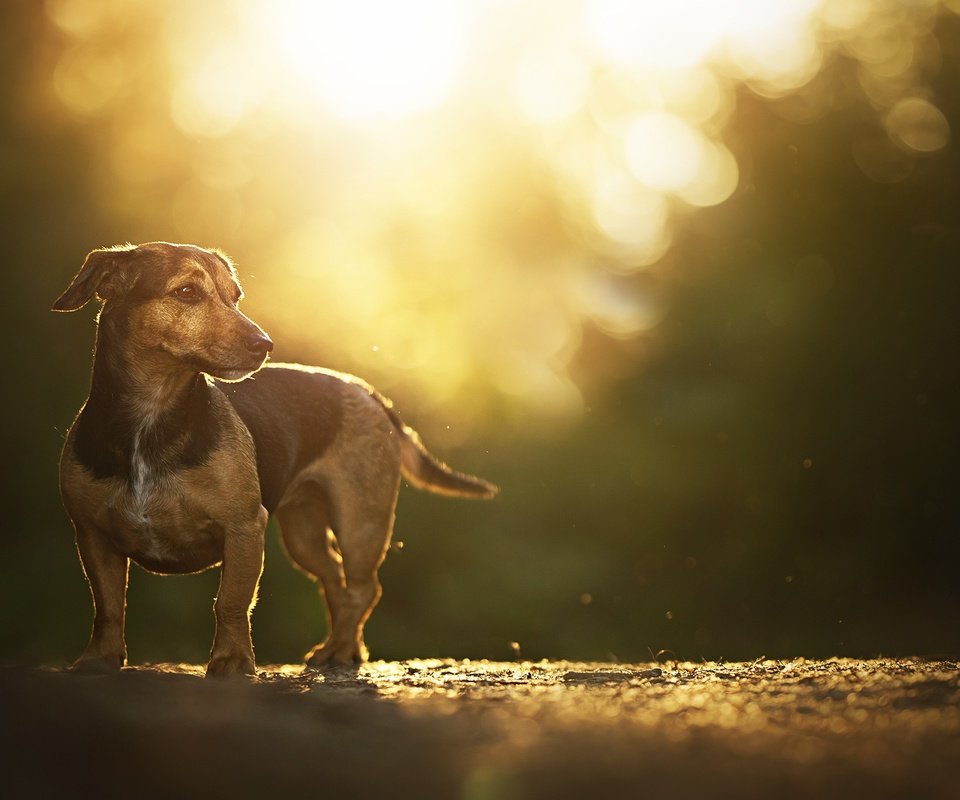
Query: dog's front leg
pixel 232 652
pixel 106 572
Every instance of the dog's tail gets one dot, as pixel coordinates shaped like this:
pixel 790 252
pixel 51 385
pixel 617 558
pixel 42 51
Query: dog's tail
pixel 425 471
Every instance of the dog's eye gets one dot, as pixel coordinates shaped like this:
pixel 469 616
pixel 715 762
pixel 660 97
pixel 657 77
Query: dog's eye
pixel 188 293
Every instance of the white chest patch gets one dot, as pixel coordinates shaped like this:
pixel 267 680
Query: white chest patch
pixel 141 486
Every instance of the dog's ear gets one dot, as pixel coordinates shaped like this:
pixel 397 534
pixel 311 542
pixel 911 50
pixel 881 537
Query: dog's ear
pixel 102 274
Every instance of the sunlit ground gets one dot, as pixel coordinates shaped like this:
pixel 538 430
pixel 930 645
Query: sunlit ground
pixel 482 729
pixel 441 194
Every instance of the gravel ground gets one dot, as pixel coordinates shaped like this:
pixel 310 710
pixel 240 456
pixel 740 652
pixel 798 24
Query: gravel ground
pixel 482 730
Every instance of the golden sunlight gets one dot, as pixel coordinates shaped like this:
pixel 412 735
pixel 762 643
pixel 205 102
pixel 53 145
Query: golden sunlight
pixel 370 59
pixel 444 195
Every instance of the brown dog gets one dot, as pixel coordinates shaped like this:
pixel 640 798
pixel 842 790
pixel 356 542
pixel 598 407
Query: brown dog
pixel 172 469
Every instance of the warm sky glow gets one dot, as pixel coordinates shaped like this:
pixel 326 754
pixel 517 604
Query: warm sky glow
pixel 368 59
pixel 461 186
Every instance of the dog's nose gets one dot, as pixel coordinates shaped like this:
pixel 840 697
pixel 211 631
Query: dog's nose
pixel 259 343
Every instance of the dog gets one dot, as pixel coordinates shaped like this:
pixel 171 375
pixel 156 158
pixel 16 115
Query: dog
pixel 189 440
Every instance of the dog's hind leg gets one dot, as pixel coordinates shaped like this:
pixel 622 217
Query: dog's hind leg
pixel 310 545
pixel 363 525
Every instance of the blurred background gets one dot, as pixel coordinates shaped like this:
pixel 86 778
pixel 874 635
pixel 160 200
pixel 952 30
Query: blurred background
pixel 681 276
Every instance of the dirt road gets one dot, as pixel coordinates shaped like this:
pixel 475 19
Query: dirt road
pixel 483 730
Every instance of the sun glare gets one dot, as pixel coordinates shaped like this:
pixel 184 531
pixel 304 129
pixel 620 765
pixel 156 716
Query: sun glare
pixel 463 186
pixel 368 58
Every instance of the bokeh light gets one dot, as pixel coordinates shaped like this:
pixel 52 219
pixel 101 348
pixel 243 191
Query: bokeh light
pixel 444 195
pixel 917 124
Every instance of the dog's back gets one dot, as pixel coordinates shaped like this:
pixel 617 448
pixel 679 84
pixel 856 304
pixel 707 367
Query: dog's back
pixel 295 414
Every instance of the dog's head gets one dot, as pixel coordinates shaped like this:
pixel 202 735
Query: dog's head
pixel 173 299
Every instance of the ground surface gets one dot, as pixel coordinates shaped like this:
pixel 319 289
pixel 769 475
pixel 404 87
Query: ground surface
pixel 478 730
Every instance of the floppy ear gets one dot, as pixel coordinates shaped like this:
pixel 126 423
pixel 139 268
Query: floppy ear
pixel 100 274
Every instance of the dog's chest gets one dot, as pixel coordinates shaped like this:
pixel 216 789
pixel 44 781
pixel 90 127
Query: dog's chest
pixel 161 523
pixel 160 508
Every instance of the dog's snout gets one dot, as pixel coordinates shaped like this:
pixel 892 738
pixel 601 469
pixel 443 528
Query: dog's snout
pixel 259 343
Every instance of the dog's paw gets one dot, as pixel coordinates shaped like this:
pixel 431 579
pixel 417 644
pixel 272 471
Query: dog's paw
pixel 231 666
pixel 98 664
pixel 328 655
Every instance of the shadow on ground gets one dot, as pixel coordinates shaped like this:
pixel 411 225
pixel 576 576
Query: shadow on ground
pixel 474 730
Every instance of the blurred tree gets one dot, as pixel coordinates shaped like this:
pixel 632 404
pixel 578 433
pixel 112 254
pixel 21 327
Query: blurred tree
pixel 748 447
